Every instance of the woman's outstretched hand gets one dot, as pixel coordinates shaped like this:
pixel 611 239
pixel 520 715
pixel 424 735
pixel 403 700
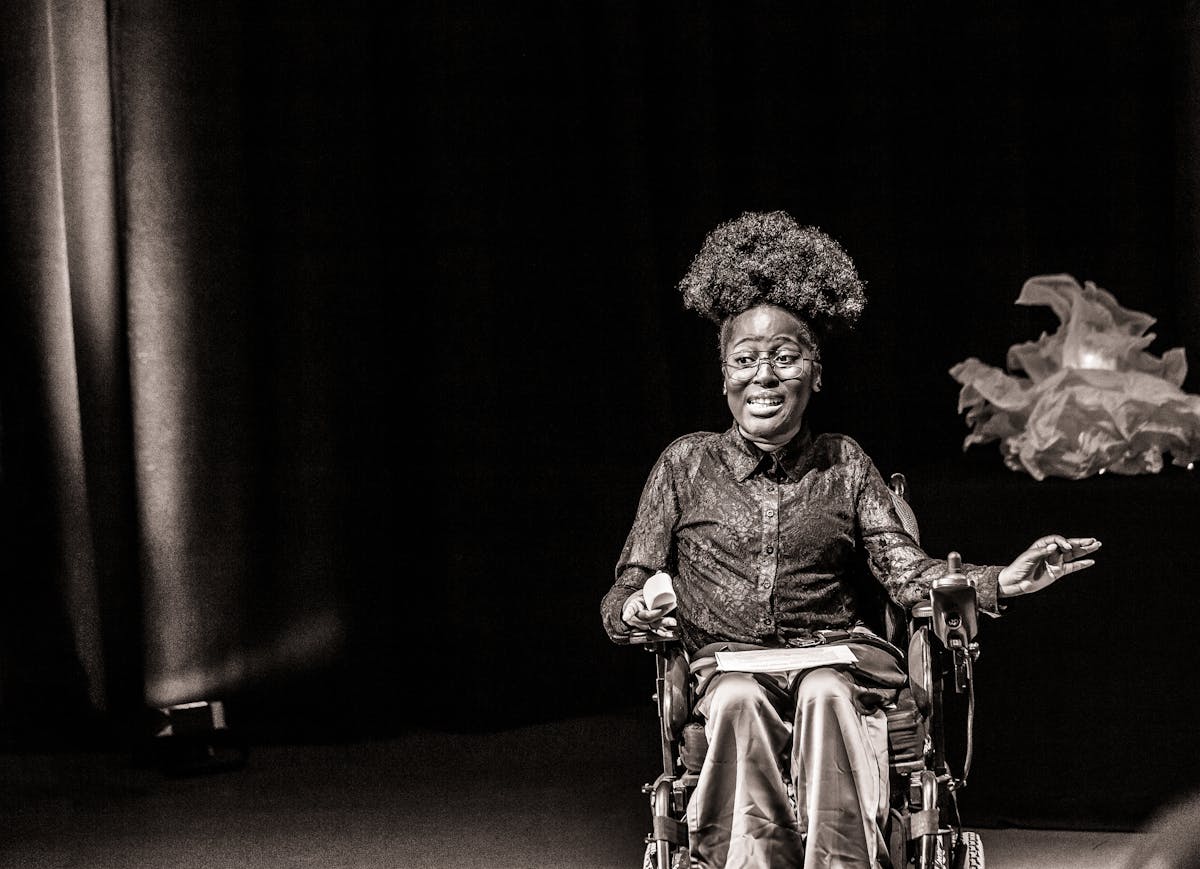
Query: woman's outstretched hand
pixel 1050 558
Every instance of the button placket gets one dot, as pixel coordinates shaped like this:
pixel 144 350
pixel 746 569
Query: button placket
pixel 769 561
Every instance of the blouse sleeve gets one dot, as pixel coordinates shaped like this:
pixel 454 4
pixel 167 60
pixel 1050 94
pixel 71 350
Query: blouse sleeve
pixel 649 546
pixel 896 560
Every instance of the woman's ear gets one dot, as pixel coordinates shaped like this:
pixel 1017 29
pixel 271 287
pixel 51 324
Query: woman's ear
pixel 816 386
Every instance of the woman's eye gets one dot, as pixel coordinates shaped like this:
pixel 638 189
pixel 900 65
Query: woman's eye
pixel 786 358
pixel 742 360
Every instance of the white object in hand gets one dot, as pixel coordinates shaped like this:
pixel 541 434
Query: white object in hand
pixel 659 593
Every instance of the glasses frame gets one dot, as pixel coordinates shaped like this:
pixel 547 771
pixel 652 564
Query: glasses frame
pixel 768 357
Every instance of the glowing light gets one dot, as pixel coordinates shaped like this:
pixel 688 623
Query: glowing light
pixel 1090 359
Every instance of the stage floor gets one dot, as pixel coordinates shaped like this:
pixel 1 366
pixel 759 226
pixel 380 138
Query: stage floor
pixel 564 794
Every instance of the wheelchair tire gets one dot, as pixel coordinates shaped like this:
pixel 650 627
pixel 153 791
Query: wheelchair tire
pixel 970 853
pixel 679 858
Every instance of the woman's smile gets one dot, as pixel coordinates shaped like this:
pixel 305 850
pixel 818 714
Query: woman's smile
pixel 765 404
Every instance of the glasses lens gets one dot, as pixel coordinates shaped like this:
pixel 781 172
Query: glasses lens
pixel 787 366
pixel 792 369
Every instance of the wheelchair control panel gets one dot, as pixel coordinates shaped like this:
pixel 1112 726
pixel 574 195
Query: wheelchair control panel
pixel 955 617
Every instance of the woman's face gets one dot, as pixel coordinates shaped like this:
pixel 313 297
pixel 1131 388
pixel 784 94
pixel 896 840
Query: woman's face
pixel 766 407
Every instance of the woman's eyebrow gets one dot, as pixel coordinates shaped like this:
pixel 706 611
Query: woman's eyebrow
pixel 790 338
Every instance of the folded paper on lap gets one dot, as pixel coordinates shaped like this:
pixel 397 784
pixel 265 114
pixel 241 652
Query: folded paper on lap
pixel 784 660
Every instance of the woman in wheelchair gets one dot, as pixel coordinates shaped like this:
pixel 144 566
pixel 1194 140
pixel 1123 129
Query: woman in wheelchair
pixel 768 529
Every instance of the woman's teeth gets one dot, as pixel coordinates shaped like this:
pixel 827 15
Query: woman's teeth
pixel 767 400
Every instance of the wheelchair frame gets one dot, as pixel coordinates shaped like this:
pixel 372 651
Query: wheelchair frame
pixel 925 828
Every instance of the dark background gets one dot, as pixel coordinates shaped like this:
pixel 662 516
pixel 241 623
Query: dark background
pixel 570 163
pixel 470 221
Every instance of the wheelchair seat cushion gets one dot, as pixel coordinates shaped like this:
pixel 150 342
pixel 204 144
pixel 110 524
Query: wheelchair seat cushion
pixel 879 664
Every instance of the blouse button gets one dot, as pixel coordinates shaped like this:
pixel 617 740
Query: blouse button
pixel 768 621
pixel 770 550
pixel 770 513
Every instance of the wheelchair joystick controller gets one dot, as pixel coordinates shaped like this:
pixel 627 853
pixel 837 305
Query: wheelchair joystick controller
pixel 954 603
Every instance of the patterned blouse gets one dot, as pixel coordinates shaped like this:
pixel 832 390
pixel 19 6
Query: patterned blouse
pixel 767 548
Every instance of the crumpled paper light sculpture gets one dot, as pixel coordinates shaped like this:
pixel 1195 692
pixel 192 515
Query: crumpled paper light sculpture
pixel 1092 400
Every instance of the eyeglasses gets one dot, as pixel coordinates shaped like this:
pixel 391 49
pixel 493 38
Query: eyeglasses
pixel 742 367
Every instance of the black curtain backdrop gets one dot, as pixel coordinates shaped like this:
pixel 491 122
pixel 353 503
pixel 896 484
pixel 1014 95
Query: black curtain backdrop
pixel 435 346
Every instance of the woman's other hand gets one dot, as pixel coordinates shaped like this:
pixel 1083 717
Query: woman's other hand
pixel 1050 558
pixel 635 614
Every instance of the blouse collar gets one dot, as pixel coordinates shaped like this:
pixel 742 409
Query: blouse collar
pixel 744 458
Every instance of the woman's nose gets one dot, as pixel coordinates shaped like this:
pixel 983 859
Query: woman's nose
pixel 765 372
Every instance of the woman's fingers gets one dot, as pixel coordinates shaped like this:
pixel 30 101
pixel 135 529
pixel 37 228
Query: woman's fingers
pixel 636 615
pixel 1052 541
pixel 1059 548
pixel 1075 566
pixel 642 619
pixel 634 604
pixel 665 626
pixel 1081 546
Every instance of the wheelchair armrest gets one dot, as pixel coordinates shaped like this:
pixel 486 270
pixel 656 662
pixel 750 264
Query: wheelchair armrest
pixel 648 638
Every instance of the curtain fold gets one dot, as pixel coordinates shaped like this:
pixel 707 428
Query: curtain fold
pixel 142 415
pixel 189 332
pixel 85 156
pixel 57 150
pixel 222 605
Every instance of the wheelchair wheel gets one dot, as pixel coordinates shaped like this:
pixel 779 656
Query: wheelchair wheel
pixel 970 853
pixel 679 858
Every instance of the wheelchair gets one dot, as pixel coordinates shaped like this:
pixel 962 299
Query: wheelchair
pixel 924 828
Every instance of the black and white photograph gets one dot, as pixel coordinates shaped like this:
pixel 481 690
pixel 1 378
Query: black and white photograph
pixel 599 435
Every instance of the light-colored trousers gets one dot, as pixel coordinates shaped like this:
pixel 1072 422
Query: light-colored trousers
pixel 740 816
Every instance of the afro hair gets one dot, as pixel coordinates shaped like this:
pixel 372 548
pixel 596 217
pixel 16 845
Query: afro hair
pixel 768 258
